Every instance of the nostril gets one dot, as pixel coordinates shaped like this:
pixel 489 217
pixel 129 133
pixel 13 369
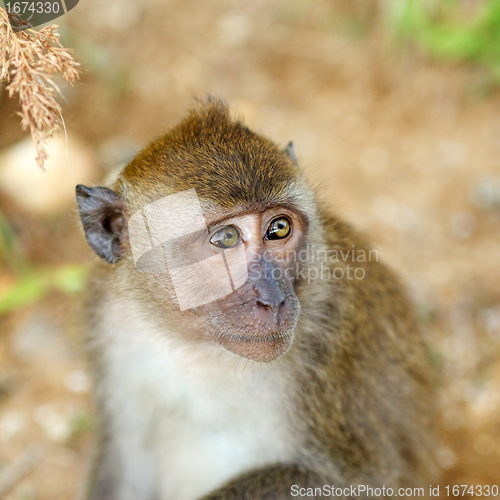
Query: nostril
pixel 270 299
pixel 264 304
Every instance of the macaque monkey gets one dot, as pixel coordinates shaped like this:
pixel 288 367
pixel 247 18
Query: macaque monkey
pixel 245 343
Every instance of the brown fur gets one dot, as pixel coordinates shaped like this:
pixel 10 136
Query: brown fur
pixel 222 159
pixel 358 372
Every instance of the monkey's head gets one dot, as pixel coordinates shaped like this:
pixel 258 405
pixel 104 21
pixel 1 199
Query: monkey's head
pixel 206 227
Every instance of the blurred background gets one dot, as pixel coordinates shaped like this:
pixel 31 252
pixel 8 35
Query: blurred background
pixel 394 109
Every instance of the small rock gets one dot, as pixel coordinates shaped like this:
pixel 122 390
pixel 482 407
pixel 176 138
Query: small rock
pixel 77 381
pixel 486 193
pixel 235 30
pixel 53 190
pixel 53 423
pixel 12 422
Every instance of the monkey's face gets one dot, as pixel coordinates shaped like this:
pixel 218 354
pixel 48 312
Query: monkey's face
pixel 257 320
pixel 204 230
pixel 231 282
pixel 229 278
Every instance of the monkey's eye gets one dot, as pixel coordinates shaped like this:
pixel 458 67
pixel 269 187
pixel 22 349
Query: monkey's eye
pixel 278 229
pixel 226 237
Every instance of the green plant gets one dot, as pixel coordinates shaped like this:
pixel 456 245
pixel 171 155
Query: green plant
pixel 35 284
pixel 449 30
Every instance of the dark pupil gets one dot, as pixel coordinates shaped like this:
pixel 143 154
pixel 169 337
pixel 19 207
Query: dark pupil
pixel 226 238
pixel 278 229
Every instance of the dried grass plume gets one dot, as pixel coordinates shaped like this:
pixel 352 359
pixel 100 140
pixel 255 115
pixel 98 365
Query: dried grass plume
pixel 28 61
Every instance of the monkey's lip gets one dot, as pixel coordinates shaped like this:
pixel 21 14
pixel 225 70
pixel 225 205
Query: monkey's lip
pixel 267 338
pixel 265 348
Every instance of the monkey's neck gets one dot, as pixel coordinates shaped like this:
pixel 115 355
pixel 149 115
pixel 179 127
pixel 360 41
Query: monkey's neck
pixel 205 414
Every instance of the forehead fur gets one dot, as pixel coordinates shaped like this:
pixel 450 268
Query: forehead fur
pixel 218 156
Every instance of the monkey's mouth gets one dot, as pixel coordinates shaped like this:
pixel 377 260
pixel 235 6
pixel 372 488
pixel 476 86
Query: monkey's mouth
pixel 254 332
pixel 267 338
pixel 263 348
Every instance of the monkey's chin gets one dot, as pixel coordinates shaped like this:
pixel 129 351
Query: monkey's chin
pixel 261 349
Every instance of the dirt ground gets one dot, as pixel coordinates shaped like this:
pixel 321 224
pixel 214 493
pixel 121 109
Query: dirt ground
pixel 406 149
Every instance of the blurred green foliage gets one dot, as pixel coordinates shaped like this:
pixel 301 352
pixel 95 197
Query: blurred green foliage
pixel 37 283
pixel 27 282
pixel 452 30
pixel 81 424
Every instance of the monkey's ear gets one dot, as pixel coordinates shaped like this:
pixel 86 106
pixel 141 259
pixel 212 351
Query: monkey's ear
pixel 291 153
pixel 102 218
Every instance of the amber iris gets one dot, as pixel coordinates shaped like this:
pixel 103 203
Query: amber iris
pixel 278 229
pixel 226 237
